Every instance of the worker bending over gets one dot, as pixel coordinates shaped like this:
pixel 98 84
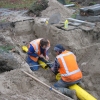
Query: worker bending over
pixel 37 51
pixel 65 64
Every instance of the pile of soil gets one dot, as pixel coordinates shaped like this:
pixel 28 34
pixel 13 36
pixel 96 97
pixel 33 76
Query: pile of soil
pixel 56 7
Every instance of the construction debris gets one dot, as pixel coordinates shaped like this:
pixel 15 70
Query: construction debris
pixel 69 5
pixel 90 13
pixel 81 22
pixel 76 24
pixel 93 10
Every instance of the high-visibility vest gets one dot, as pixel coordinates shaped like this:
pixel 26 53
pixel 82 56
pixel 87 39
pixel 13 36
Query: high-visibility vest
pixel 36 46
pixel 69 69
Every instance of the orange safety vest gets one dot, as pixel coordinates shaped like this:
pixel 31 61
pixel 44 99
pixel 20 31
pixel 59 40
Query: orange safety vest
pixel 69 69
pixel 36 46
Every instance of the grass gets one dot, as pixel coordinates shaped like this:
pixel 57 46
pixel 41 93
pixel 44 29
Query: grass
pixel 92 3
pixel 73 15
pixel 16 4
pixel 6 48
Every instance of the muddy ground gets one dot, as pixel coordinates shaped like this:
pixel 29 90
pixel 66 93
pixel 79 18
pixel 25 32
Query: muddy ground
pixel 15 84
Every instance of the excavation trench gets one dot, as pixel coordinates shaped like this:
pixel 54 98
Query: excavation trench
pixel 15 84
pixel 85 45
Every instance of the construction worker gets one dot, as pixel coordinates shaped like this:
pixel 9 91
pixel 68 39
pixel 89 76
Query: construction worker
pixel 65 64
pixel 38 49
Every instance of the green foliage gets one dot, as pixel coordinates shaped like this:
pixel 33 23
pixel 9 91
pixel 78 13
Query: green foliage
pixel 6 48
pixel 2 21
pixel 73 16
pixel 92 3
pixel 38 6
pixel 15 4
pixel 68 2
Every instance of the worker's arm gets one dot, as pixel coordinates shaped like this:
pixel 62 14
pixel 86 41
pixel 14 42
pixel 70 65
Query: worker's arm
pixel 55 66
pixel 47 53
pixel 31 51
pixel 43 51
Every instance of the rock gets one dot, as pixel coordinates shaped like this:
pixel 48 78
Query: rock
pixel 7 62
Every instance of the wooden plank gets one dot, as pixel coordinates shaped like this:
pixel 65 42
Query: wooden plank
pixel 80 21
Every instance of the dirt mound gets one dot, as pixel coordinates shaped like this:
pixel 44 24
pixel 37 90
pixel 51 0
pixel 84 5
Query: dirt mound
pixel 16 85
pixel 55 7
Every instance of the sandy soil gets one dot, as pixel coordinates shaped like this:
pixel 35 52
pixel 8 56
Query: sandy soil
pixel 86 45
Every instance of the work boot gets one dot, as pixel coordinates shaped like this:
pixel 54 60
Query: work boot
pixel 68 92
pixel 73 95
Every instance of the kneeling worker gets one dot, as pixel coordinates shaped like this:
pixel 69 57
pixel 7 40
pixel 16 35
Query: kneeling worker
pixel 37 50
pixel 65 64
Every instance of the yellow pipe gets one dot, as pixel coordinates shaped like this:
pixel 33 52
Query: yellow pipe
pixel 42 64
pixel 81 93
